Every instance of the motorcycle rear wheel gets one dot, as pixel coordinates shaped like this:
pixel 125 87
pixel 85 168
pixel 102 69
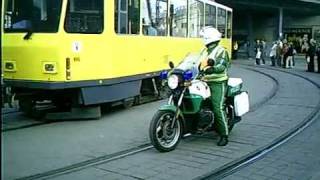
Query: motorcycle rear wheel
pixel 162 136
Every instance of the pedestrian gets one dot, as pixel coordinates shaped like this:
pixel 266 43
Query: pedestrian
pixel 258 56
pixel 279 51
pixel 273 53
pixel 284 53
pixel 289 55
pixel 311 51
pixel 318 57
pixel 263 51
pixel 258 51
pixel 235 50
pixel 215 70
pixel 293 57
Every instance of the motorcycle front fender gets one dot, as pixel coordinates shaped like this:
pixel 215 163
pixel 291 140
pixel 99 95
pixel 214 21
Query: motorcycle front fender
pixel 173 109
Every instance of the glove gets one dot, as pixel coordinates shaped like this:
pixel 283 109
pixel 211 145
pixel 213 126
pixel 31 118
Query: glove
pixel 211 62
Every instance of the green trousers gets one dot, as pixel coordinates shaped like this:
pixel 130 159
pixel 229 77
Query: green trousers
pixel 218 92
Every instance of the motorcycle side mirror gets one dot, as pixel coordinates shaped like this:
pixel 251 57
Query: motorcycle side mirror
pixel 171 65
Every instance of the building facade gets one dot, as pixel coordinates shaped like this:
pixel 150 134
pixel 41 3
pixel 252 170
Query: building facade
pixel 294 20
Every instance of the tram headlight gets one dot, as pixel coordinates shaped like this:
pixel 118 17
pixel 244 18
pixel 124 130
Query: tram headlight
pixel 173 81
pixel 10 66
pixel 49 67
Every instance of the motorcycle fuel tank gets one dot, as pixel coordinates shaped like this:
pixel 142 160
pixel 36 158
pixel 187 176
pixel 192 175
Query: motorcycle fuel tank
pixel 200 88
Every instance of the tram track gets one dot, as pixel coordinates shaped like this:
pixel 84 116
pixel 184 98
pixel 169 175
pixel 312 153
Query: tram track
pixel 236 165
pixel 125 153
pixel 42 121
pixel 27 123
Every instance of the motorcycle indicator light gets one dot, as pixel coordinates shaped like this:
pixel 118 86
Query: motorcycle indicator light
pixel 187 75
pixel 164 75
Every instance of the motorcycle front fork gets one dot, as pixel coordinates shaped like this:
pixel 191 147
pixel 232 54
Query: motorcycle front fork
pixel 176 114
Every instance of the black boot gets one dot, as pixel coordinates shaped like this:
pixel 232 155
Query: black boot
pixel 223 141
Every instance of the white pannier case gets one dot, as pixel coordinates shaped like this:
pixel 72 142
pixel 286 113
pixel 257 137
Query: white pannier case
pixel 241 103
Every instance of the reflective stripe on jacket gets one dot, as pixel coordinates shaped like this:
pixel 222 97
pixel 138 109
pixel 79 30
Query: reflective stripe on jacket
pixel 218 72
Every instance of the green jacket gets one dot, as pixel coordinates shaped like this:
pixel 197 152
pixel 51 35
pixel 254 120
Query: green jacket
pixel 218 72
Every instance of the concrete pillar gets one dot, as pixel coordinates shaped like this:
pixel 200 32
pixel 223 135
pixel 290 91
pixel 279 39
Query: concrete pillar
pixel 280 22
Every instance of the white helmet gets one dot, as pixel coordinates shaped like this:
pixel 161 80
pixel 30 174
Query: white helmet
pixel 209 35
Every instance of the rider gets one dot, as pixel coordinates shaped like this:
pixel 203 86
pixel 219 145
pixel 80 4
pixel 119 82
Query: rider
pixel 214 68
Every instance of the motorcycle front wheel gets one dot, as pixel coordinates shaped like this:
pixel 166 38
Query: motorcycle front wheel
pixel 162 136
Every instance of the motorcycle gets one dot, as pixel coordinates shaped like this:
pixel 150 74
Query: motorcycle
pixel 189 108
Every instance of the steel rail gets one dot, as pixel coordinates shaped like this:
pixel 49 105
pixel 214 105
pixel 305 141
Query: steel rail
pixel 18 127
pixel 89 163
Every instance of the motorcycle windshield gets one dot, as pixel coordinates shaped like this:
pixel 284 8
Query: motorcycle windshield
pixel 191 62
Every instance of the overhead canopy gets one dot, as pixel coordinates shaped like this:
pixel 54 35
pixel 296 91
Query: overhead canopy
pixel 306 7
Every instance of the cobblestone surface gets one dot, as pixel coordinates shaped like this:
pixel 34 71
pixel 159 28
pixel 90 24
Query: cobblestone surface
pixel 196 156
pixel 298 159
pixel 59 144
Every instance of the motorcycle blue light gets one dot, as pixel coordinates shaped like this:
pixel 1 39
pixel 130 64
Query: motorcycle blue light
pixel 164 75
pixel 187 75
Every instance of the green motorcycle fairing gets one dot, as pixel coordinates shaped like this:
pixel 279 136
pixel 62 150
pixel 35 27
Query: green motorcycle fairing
pixel 191 104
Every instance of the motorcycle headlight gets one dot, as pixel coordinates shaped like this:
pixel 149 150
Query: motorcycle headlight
pixel 173 81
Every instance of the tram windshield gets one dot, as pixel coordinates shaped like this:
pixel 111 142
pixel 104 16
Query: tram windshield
pixel 32 15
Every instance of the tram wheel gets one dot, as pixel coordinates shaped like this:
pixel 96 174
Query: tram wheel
pixel 127 103
pixel 62 105
pixel 27 106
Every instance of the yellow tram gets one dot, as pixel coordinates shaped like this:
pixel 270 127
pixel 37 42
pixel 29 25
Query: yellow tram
pixel 88 52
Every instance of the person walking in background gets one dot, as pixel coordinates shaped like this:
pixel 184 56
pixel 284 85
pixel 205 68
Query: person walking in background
pixel 289 55
pixel 258 52
pixel 318 56
pixel 235 50
pixel 273 53
pixel 263 51
pixel 279 51
pixel 293 59
pixel 311 51
pixel 284 53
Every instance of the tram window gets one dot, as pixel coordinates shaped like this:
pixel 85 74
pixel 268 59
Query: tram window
pixel 196 19
pixel 84 16
pixel 210 19
pixel 154 17
pixel 229 24
pixel 178 18
pixel 127 16
pixel 35 15
pixel 222 19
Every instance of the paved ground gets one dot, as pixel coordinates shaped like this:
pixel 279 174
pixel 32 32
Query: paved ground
pixel 299 158
pixel 43 148
pixel 47 147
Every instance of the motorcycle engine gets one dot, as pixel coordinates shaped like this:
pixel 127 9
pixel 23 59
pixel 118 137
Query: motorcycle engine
pixel 206 119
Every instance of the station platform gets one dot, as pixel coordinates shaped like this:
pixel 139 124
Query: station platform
pixel 117 145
